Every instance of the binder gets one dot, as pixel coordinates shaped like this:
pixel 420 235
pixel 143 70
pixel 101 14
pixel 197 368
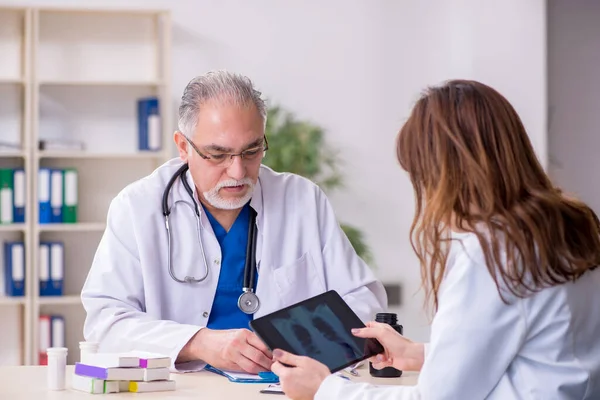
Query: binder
pixel 14 268
pixel 57 332
pixel 44 269
pixel 45 212
pixel 149 138
pixel 45 338
pixel 154 139
pixel 70 188
pixel 6 196
pixel 19 196
pixel 57 268
pixel 56 195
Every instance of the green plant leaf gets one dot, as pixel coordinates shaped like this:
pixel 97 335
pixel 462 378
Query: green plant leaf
pixel 299 147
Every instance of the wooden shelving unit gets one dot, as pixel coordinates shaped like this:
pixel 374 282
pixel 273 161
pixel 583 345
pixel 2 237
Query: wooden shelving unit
pixel 75 74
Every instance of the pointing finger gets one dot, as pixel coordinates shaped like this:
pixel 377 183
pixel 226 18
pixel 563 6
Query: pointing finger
pixel 365 332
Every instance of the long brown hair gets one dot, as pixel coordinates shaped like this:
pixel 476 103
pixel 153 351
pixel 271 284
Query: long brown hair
pixel 474 169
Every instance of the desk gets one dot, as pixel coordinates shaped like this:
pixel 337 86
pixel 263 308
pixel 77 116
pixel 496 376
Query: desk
pixel 29 383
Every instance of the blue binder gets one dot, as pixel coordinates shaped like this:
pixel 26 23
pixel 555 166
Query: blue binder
pixel 145 108
pixel 57 269
pixel 19 195
pixel 45 211
pixel 14 268
pixel 44 269
pixel 56 195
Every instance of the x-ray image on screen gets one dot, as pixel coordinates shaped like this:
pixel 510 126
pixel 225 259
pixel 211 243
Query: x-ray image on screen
pixel 319 333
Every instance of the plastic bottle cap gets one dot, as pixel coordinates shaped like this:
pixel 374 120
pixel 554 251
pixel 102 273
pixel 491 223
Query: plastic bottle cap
pixel 57 350
pixel 88 345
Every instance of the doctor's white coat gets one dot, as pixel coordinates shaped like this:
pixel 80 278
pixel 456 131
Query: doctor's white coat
pixel 542 347
pixel 133 304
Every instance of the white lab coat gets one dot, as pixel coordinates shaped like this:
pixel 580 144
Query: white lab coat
pixel 543 347
pixel 133 304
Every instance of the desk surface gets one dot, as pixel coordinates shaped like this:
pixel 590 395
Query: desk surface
pixel 29 383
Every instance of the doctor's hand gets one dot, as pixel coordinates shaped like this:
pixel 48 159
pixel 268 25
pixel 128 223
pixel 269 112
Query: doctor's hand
pixel 301 379
pixel 400 352
pixel 233 349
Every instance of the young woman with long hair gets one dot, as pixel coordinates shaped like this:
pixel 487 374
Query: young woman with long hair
pixel 508 262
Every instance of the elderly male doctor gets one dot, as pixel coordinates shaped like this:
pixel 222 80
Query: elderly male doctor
pixel 178 293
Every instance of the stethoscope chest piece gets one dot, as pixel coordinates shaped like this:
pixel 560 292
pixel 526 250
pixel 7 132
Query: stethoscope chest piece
pixel 248 302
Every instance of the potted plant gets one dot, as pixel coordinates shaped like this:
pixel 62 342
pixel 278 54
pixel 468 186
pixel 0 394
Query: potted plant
pixel 299 147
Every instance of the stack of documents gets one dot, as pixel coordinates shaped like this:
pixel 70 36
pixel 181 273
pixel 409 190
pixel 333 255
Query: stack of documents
pixel 123 372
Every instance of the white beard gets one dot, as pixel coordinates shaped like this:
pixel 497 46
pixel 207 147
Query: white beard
pixel 214 198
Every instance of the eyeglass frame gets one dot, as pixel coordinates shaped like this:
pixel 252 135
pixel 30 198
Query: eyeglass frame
pixel 230 155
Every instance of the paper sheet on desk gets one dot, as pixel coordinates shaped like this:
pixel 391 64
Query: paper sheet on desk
pixel 240 377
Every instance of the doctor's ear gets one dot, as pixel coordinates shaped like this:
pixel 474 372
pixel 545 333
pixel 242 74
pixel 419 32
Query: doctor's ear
pixel 183 147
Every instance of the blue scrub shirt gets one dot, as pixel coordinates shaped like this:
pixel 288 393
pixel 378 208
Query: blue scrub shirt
pixel 225 313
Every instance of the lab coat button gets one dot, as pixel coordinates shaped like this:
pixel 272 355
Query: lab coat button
pixel 217 261
pixel 205 314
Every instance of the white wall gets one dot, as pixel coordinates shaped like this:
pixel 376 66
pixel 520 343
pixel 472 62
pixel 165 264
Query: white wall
pixel 356 67
pixel 574 96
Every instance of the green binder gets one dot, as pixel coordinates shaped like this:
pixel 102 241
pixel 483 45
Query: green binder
pixel 6 196
pixel 70 191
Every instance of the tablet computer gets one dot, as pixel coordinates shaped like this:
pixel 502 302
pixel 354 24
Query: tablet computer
pixel 320 328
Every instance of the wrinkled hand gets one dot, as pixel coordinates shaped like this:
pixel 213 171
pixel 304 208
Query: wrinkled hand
pixel 399 352
pixel 302 379
pixel 234 350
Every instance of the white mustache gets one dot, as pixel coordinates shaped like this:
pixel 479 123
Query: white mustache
pixel 233 183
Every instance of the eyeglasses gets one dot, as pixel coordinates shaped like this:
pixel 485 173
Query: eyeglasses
pixel 226 159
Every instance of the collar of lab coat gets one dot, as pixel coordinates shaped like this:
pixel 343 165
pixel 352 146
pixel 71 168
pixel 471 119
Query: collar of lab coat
pixel 256 202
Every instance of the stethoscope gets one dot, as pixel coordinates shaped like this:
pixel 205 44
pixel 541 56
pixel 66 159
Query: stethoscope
pixel 248 301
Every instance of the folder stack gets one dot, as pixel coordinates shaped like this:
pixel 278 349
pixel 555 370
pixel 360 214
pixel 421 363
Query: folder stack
pixel 51 268
pixel 57 195
pixel 123 372
pixel 12 195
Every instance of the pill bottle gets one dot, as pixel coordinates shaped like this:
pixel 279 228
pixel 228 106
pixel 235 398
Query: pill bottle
pixel 387 372
pixel 57 368
pixel 86 348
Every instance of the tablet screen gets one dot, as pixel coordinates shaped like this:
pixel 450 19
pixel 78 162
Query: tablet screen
pixel 320 328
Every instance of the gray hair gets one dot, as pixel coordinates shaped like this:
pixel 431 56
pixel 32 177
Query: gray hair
pixel 217 85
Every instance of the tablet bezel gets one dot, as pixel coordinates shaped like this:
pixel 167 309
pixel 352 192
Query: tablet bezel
pixel 336 303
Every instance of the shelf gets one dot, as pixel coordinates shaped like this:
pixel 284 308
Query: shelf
pixel 12 227
pixel 54 300
pixel 11 81
pixel 112 156
pixel 104 10
pixel 7 300
pixel 12 154
pixel 75 74
pixel 59 82
pixel 77 227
